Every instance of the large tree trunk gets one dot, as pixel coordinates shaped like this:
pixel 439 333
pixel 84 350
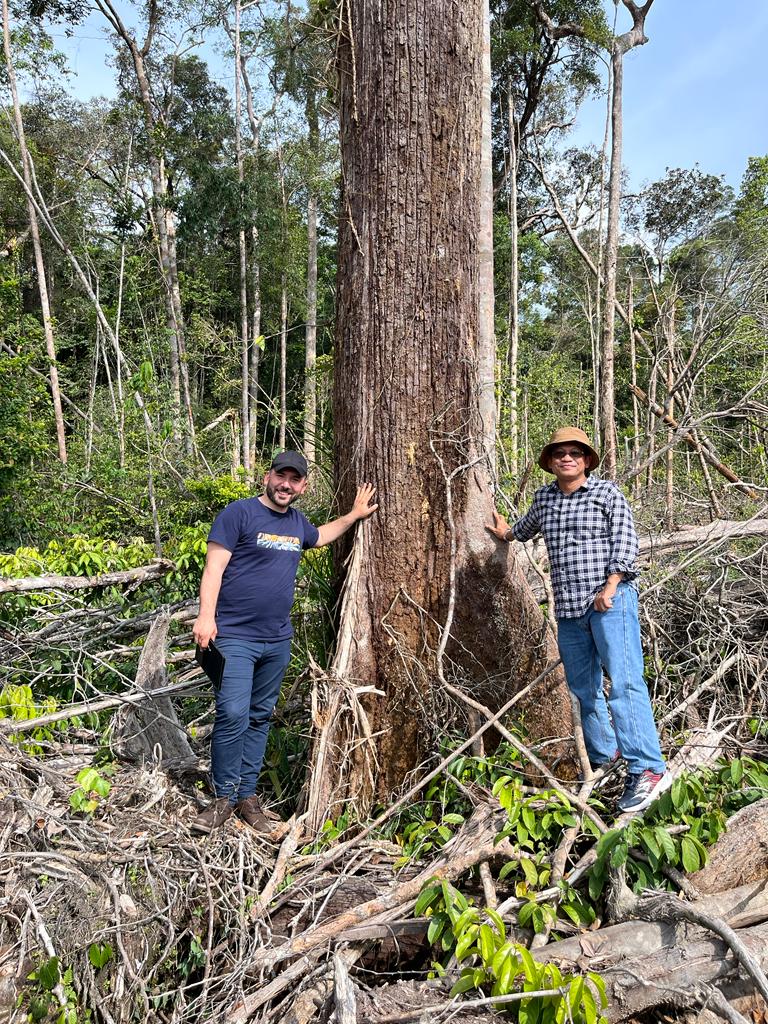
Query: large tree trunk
pixel 486 332
pixel 245 379
pixel 310 346
pixel 513 328
pixel 407 413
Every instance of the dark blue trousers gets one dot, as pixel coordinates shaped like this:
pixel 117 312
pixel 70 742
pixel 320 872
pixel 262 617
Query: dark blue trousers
pixel 253 674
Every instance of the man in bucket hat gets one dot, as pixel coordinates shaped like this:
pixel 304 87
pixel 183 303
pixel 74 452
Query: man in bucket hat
pixel 246 595
pixel 592 545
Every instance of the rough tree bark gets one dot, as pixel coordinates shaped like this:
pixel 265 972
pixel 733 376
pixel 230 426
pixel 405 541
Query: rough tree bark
pixel 310 344
pixel 486 334
pixel 407 413
pixel 513 327
pixel 245 379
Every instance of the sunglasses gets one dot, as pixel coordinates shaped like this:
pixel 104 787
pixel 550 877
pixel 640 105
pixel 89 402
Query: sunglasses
pixel 571 453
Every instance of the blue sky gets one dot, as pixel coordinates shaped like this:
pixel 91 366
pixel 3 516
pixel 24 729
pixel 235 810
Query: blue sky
pixel 697 92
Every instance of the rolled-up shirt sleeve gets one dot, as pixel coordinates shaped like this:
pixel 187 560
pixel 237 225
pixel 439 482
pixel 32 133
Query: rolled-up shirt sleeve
pixel 624 542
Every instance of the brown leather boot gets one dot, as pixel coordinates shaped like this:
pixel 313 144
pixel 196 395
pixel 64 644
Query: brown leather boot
pixel 251 813
pixel 214 815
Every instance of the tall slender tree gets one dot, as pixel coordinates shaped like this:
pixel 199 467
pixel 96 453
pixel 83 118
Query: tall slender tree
pixel 163 212
pixel 621 45
pixel 42 279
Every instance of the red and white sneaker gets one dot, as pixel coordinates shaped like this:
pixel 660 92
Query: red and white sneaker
pixel 641 790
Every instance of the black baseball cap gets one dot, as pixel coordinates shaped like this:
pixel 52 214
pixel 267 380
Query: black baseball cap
pixel 290 460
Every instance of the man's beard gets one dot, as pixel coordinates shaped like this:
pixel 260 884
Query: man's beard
pixel 272 495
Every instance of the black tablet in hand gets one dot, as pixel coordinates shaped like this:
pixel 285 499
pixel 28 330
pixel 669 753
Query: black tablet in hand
pixel 211 661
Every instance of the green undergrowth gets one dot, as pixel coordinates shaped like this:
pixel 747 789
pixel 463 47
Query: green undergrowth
pixel 492 963
pixel 674 833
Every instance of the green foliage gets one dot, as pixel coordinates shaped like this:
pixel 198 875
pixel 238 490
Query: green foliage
pixel 24 419
pixel 216 492
pixel 679 827
pixel 329 833
pixel 17 702
pixel 477 938
pixel 92 788
pixel 42 1001
pixel 428 825
pixel 99 954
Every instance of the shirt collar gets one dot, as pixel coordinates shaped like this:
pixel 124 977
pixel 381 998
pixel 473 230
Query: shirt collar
pixel 589 483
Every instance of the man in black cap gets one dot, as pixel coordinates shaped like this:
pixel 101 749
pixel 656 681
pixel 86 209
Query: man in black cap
pixel 246 595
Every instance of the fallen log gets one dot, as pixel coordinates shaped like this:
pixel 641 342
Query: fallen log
pixel 157 568
pixel 740 854
pixel 742 907
pixel 655 544
pixel 672 975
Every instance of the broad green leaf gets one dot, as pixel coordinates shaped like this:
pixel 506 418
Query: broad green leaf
pixel 678 794
pixel 436 926
pixel 571 912
pixel 464 984
pixel 529 870
pixel 466 917
pixel 599 985
pixel 690 855
pixel 618 855
pixel 596 883
pixel 650 842
pixel 498 921
pixel 531 968
pixel 589 1006
pixel 506 869
pixel 49 974
pixel 574 995
pixel 525 913
pixel 607 841
pixel 466 942
pixel 426 898
pixel 501 954
pixel 667 843
pixel 487 943
pixel 99 954
pixel 702 850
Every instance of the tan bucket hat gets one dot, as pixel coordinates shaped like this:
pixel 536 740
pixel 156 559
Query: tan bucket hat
pixel 562 436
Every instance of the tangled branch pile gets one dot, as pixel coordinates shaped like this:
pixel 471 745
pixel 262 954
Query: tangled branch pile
pixel 110 906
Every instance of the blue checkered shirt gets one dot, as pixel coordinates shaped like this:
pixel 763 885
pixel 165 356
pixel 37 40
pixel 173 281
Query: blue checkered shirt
pixel 589 535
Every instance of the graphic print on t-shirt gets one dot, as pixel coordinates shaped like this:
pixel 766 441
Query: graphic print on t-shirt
pixel 276 542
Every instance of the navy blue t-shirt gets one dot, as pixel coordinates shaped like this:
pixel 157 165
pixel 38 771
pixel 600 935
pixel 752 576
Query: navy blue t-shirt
pixel 258 583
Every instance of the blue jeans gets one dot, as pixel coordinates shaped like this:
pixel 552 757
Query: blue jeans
pixel 249 690
pixel 611 640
